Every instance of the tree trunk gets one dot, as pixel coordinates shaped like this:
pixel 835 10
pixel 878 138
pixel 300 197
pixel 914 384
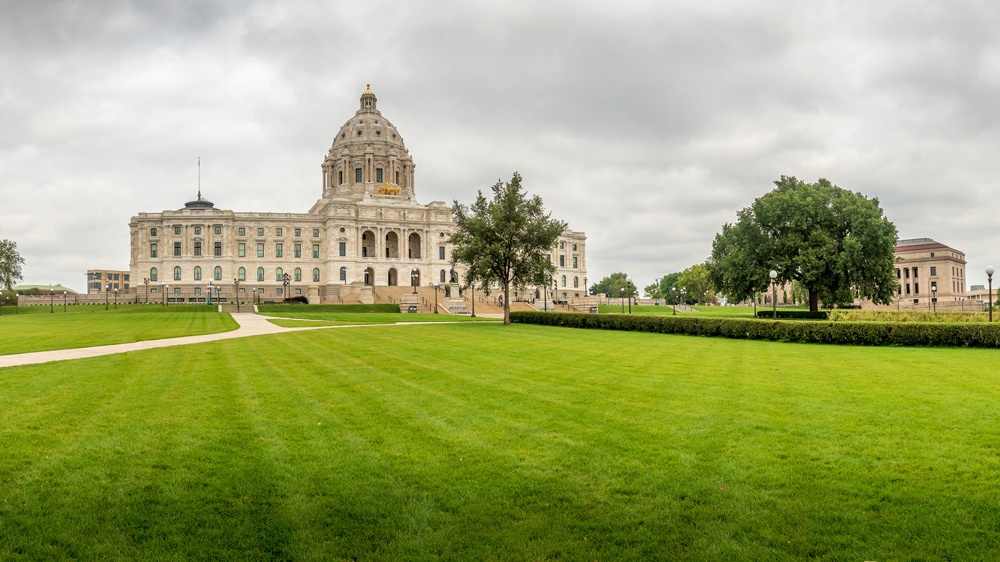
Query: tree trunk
pixel 506 304
pixel 813 300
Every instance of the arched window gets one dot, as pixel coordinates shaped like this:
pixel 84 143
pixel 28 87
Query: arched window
pixel 343 274
pixel 316 274
pixel 443 276
pixel 197 274
pixel 563 280
pixel 576 281
pixel 298 274
pixel 152 274
pixel 177 273
pixel 242 274
pixel 278 274
pixel 218 273
pixel 260 273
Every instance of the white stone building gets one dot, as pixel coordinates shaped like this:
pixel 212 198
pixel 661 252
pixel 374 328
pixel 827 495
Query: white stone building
pixel 366 231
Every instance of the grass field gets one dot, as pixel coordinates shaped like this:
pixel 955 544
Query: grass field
pixel 484 442
pixel 91 326
pixel 706 311
pixel 297 318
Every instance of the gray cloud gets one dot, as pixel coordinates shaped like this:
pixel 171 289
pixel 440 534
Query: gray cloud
pixel 645 124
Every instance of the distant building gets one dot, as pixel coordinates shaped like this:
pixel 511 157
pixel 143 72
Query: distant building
pixel 366 230
pixel 928 270
pixel 100 280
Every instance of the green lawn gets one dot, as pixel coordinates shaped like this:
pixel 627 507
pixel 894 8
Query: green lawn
pixel 91 326
pixel 484 442
pixel 304 318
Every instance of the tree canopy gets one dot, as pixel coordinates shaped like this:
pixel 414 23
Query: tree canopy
pixel 837 243
pixel 10 264
pixel 613 284
pixel 697 284
pixel 504 241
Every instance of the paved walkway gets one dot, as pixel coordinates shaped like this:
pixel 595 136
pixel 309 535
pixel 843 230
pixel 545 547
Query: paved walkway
pixel 251 324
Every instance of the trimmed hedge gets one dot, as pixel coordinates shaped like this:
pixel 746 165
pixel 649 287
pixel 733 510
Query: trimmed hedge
pixel 355 308
pixel 841 333
pixel 794 314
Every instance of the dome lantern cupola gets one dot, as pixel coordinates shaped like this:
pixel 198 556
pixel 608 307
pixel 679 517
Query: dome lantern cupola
pixel 368 99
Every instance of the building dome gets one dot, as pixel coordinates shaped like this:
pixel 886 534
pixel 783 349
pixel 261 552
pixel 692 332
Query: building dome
pixel 368 156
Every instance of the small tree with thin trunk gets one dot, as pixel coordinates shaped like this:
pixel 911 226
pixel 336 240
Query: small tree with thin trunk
pixel 503 241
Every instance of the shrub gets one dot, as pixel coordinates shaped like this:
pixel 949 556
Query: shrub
pixel 842 333
pixel 794 314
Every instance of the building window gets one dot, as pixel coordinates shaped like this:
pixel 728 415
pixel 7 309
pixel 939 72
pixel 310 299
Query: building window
pixel 315 233
pixel 242 274
pixel 152 232
pixel 298 232
pixel 177 273
pixel 278 274
pixel 260 250
pixel 197 290
pixel 177 231
pixel 340 177
pixel 218 230
pixel 442 276
pixel 343 274
pixel 277 232
pixel 576 281
pixel 260 232
pixel 279 250
pixel 916 287
pixel 915 275
pixel 562 261
pixel 574 262
pixel 243 231
pixel 177 248
pixel 197 248
pixel 241 250
pixel 260 273
pixel 218 248
pixel 152 250
pixel 357 175
pixel 899 274
pixel 562 245
pixel 197 274
pixel 298 274
pixel 218 273
pixel 315 250
pixel 440 252
pixel 298 250
pixel 563 280
pixel 298 291
pixel 933 272
pixel 906 272
pixel 279 291
pixel 378 175
pixel 574 247
pixel 197 231
pixel 152 274
pixel 342 248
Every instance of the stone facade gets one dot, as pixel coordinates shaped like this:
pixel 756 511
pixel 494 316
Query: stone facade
pixel 367 230
pixel 931 276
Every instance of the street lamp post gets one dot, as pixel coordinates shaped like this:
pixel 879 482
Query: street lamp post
pixel 64 301
pixel 145 281
pixel 545 297
pixel 623 300
pixel 52 300
pixel 106 291
pixel 673 297
pixel 774 293
pixel 473 286
pixel 236 292
pixel 286 280
pixel 413 279
pixel 934 297
pixel 218 294
pixel 435 298
pixel 166 287
pixel 163 295
pixel 116 299
pixel 989 275
pixel 209 293
pixel 629 285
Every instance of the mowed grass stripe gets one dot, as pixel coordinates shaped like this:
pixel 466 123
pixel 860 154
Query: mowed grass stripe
pixel 27 333
pixel 485 442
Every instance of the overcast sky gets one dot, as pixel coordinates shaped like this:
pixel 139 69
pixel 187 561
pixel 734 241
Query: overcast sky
pixel 646 125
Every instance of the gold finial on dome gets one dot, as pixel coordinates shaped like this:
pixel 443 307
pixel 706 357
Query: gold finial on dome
pixel 368 88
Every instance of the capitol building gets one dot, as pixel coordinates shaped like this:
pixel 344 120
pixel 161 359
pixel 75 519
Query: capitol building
pixel 366 235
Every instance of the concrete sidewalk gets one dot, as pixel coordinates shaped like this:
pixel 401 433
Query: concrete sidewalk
pixel 251 324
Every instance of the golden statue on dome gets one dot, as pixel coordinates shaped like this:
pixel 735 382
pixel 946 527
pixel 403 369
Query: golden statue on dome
pixel 389 189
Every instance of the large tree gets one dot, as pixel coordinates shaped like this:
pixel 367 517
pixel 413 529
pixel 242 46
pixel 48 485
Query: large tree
pixel 610 285
pixel 10 264
pixel 835 242
pixel 697 283
pixel 503 241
